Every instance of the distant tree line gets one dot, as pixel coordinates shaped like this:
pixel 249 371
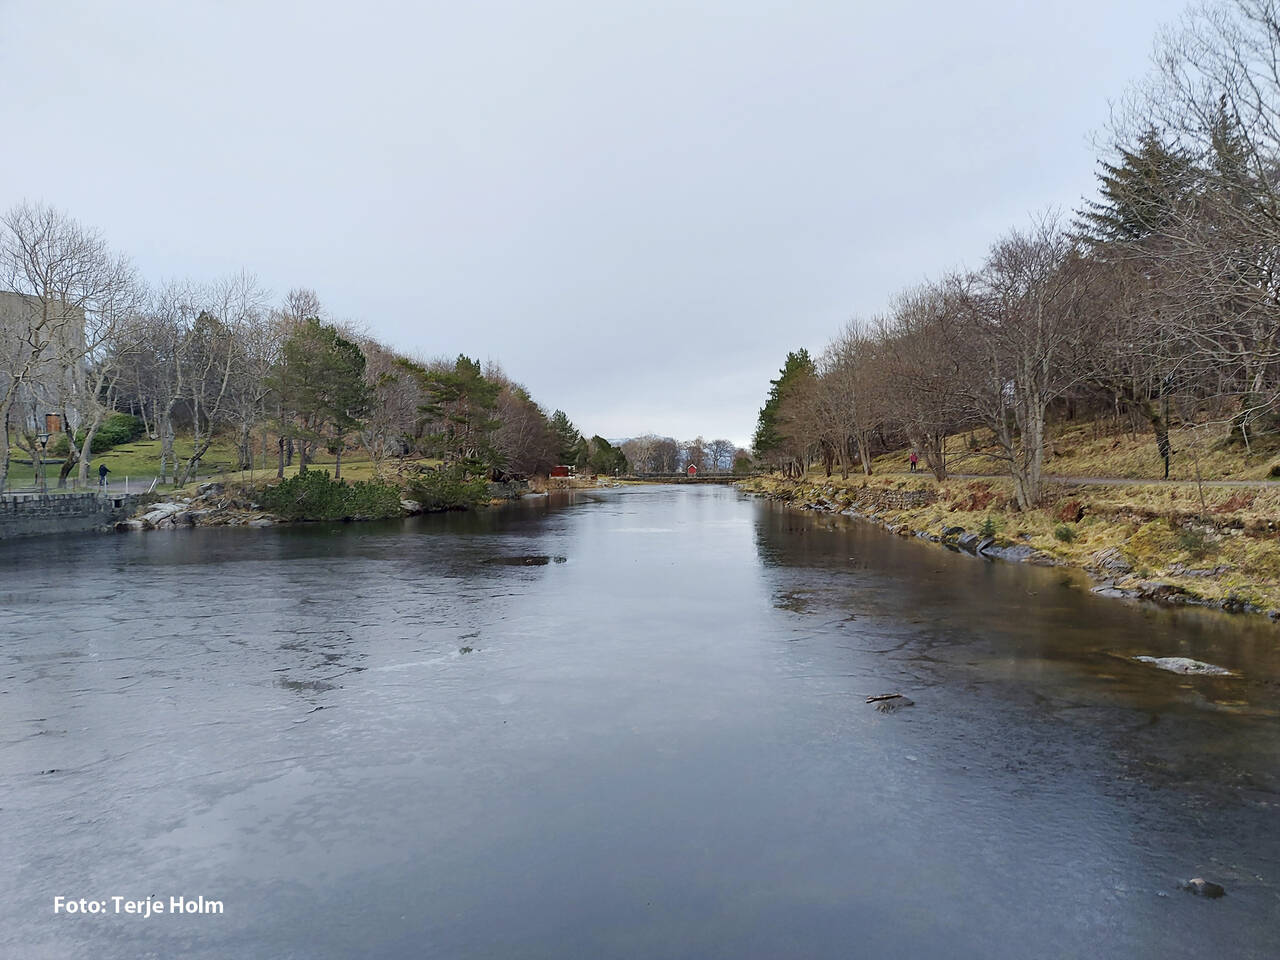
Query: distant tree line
pixel 1158 300
pixel 652 454
pixel 82 336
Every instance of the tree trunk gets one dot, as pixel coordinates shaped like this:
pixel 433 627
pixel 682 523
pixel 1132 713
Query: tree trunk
pixel 6 405
pixel 190 470
pixel 246 447
pixel 337 465
pixel 280 464
pixel 167 456
pixel 87 446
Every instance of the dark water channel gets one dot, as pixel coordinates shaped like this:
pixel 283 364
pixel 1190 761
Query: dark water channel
pixel 630 723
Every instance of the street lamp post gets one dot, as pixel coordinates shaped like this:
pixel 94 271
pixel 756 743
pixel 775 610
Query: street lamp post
pixel 43 440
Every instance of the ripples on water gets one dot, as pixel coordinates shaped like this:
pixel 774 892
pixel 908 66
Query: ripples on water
pixel 633 724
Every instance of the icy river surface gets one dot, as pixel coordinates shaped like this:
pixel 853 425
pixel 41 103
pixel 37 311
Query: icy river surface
pixel 620 723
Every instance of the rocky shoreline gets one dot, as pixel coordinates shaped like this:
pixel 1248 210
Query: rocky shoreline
pixel 212 506
pixel 1111 572
pixel 216 504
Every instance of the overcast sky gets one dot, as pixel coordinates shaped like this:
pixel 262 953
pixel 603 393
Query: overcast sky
pixel 636 207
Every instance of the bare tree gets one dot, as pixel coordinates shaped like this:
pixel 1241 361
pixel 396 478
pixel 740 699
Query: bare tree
pixel 114 336
pixel 393 416
pixel 212 350
pixel 921 366
pixel 721 455
pixel 641 453
pixel 695 454
pixel 1028 338
pixel 71 292
pixel 851 394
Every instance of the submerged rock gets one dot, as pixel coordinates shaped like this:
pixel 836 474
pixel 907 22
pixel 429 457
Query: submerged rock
pixel 1109 589
pixel 888 706
pixel 1201 887
pixel 1186 666
pixel 1018 553
pixel 1112 592
pixel 1162 592
pixel 529 560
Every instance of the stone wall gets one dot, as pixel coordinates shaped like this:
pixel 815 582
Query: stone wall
pixel 904 499
pixel 40 514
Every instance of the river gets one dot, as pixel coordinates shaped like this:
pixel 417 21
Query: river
pixel 620 723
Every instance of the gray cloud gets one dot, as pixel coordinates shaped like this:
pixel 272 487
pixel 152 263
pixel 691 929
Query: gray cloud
pixel 637 207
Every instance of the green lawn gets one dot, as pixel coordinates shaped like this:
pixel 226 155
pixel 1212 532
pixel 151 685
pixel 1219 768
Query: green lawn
pixel 140 460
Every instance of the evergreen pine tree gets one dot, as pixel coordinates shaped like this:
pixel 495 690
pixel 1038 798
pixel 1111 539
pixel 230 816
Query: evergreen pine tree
pixel 1139 193
pixel 767 437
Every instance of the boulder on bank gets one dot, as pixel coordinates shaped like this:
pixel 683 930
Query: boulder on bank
pixel 161 513
pixel 215 505
pixel 1111 590
pixel 1112 561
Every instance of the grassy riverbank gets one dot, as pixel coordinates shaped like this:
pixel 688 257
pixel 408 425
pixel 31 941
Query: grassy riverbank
pixel 1149 539
pixel 1091 449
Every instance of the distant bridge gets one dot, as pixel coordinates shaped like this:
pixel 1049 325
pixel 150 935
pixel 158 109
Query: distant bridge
pixel 724 478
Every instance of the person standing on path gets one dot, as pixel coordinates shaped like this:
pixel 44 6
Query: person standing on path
pixel 102 474
pixel 914 460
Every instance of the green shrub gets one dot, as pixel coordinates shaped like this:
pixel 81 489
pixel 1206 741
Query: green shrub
pixel 315 495
pixel 448 490
pixel 1064 533
pixel 988 528
pixel 58 446
pixel 1194 541
pixel 115 429
pixel 372 500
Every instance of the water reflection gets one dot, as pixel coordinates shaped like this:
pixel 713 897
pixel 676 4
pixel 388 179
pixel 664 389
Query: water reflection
pixel 404 740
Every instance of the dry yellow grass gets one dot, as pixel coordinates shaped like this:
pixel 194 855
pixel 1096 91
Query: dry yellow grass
pixel 1162 530
pixel 1077 450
